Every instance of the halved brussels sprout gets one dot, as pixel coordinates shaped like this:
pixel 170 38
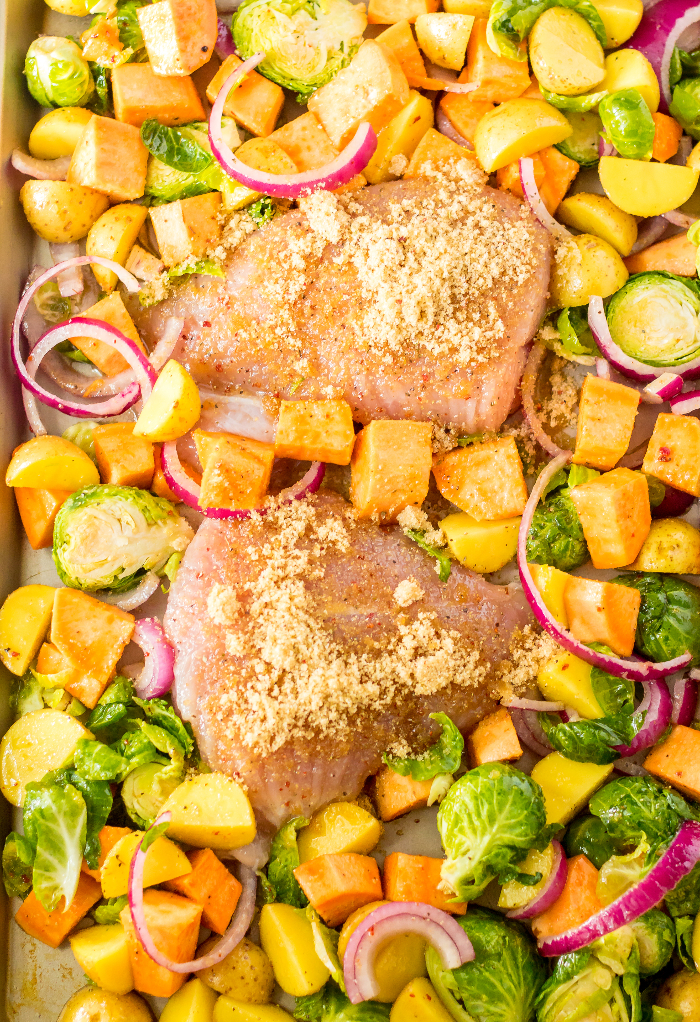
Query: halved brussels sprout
pixel 146 790
pixel 306 42
pixel 57 74
pixel 181 163
pixel 685 105
pixel 654 318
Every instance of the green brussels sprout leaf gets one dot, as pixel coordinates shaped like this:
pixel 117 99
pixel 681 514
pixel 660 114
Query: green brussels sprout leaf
pixel 57 832
pixel 685 105
pixel 56 72
pixel 587 835
pixel 635 808
pixel 442 557
pixel 575 104
pixel 655 936
pixel 654 318
pixel 628 122
pixel 284 858
pixel 17 865
pixel 668 624
pixel 330 1004
pixel 109 911
pixel 444 757
pixel 591 741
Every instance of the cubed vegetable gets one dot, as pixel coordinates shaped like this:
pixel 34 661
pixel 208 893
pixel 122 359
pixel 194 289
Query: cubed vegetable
pixel 210 811
pixel 123 458
pixel 388 12
pixel 245 974
pixel 228 1010
pixel 160 487
pixel 551 583
pixel 596 214
pixel 340 827
pixel 52 463
pixel 484 479
pixel 417 878
pixel 666 137
pixel 179 35
pixel 186 228
pixel 479 8
pixel 559 172
pixel 192 1003
pixel 236 469
pixel 111 158
pixel 53 927
pixel 464 112
pixel 565 54
pixel 171 410
pixel 143 264
pixel 399 39
pixel 305 142
pixel 315 431
pixel 140 94
pixel 173 923
pixel 338 884
pixel 60 212
pixel 398 961
pixel 620 19
pixel 39 741
pixel 443 38
pixel 58 132
pixel 113 237
pixel 584 267
pixel 606 417
pixel 498 78
pixel 108 837
pixel 288 941
pixel 110 310
pixel 210 885
pixel 646 189
pixel 24 621
pixel 164 861
pixel 261 154
pixel 255 104
pixel 630 69
pixel 390 467
pixel 567 785
pixel 673 454
pixel 676 254
pixel 345 102
pixel 677 761
pixel 481 546
pixel 672 546
pixel 400 137
pixel 38 509
pixel 576 903
pixel 101 1005
pixel 494 739
pixel 435 152
pixel 567 679
pixel 395 794
pixel 102 952
pixel 602 612
pixel 615 514
pixel 516 128
pixel 419 1002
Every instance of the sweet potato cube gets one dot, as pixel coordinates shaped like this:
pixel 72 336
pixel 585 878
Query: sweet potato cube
pixel 110 310
pixel 91 635
pixel 236 470
pixel 315 431
pixel 51 661
pixel 210 885
pixel 139 94
pixel 435 152
pixel 576 903
pixel 560 171
pixel 602 612
pixel 390 467
pixel 159 484
pixel 108 838
pixel 615 515
pixel 508 177
pixel 111 158
pixel 494 739
pixel 339 883
pixel 173 923
pixel 388 12
pixel 673 454
pixel 262 154
pixel 677 761
pixel 143 264
pixel 186 228
pixel 485 480
pixel 676 254
pixel 179 35
pixel 53 927
pixel 371 88
pixel 499 78
pixel 464 113
pixel 38 509
pixel 255 104
pixel 606 417
pixel 417 878
pixel 399 39
pixel 122 458
pixel 305 142
pixel 667 135
pixel 395 794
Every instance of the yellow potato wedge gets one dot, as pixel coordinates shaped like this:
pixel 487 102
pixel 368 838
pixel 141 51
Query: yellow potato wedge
pixel 113 236
pixel 245 974
pixel 646 189
pixel 340 827
pixel 481 546
pixel 164 861
pixel 400 137
pixel 102 952
pixel 60 212
pixel 443 38
pixel 620 19
pixel 173 407
pixel 596 214
pixel 39 741
pixel 192 1003
pixel 210 811
pixel 565 54
pixel 586 266
pixel 516 128
pixel 57 133
pixel 630 69
pixel 24 621
pixel 51 463
pixel 672 546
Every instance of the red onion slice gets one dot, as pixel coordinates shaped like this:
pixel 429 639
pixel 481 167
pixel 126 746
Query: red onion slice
pixel 529 381
pixel 339 171
pixel 551 890
pixel 167 341
pixel 606 148
pixel 658 707
pixel 678 219
pixel 445 127
pixel 537 206
pixel 658 33
pixel 40 170
pixel 530 732
pixel 635 670
pixel 134 597
pixel 663 388
pixel 674 864
pixel 649 231
pixel 159 659
pixel 224 46
pixel 438 928
pixel 684 403
pixel 538 705
pixel 240 923
pixel 685 700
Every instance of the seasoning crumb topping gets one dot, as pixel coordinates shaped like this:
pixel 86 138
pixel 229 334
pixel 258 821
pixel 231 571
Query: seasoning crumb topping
pixel 408 592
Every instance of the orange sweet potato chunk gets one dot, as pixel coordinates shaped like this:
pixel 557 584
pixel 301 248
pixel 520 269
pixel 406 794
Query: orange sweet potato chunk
pixel 108 838
pixel 122 458
pixel 606 417
pixel 494 739
pixel 305 143
pixel 485 480
pixel 388 12
pixel 110 310
pixel 51 661
pixel 38 509
pixel 677 255
pixel 508 177
pixel 677 761
pixel 111 158
pixel 390 467
pixel 673 454
pixel 399 39
pixel 140 94
pixel 464 114
pixel 576 903
pixel 602 612
pixel 52 928
pixel 255 104
pixel 615 515
pixel 560 171
pixel 236 470
pixel 666 137
pixel 417 878
pixel 499 78
pixel 186 228
pixel 173 923
pixel 433 152
pixel 210 885
pixel 315 431
pixel 395 795
pixel 339 883
pixel 179 35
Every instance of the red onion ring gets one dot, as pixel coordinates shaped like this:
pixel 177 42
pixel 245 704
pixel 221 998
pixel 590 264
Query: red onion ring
pixel 678 219
pixel 166 344
pixel 134 597
pixel 445 127
pixel 551 890
pixel 663 388
pixel 537 206
pixel 538 705
pixel 238 927
pixel 438 928
pixel 658 33
pixel 685 700
pixel 634 670
pixel 676 862
pixel 530 732
pixel 684 403
pixel 339 171
pixel 532 367
pixel 159 659
pixel 602 368
pixel 631 367
pixel 40 170
pixel 649 231
pixel 658 707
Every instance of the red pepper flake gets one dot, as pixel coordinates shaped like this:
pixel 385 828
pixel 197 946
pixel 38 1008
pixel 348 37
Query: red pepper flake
pixel 664 454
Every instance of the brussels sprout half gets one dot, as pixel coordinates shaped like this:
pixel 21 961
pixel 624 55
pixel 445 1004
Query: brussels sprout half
pixel 685 105
pixel 146 790
pixel 306 42
pixel 669 617
pixel 57 74
pixel 654 318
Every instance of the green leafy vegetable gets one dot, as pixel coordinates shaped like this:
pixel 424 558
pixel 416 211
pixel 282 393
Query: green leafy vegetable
pixel 628 122
pixel 262 211
pixel 57 833
pixel 330 1004
pixel 26 695
pixel 669 617
pixel 591 741
pixel 576 104
pixel 587 835
pixel 684 899
pixel 685 105
pixel 129 29
pixel 208 267
pixel 175 147
pixel 147 788
pixel 57 74
pixel 51 304
pixel 163 184
pixel 582 144
pixel 152 835
pixel 614 695
pixel 101 101
pixel 81 435
pixel 684 940
pixel 574 333
pixel 17 865
pixel 162 714
pixel 621 872
pixel 109 911
pixel 326 946
pixel 583 985
pixel 441 556
pixel 556 535
pixel 511 21
pixel 654 318
pixel 655 936
pixel 284 859
pixel 635 808
pixel 444 757
pixel 657 490
pixel 97 762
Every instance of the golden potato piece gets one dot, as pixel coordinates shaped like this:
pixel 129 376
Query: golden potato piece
pixel 94 1005
pixel 59 212
pixel 516 128
pixel 210 811
pixel 245 975
pixel 57 133
pixel 672 546
pixel 565 54
pixel 596 214
pixel 113 236
pixel 583 267
pixel 39 741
